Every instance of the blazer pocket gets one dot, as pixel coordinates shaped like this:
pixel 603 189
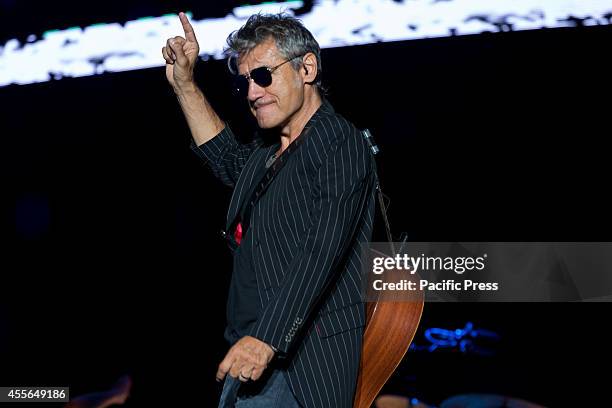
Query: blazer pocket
pixel 340 320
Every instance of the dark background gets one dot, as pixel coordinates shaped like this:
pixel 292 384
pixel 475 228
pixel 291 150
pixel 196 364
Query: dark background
pixel 112 261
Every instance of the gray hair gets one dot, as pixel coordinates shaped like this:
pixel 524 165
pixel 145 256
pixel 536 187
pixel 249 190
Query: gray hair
pixel 291 37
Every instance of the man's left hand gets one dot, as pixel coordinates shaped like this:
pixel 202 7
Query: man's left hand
pixel 246 360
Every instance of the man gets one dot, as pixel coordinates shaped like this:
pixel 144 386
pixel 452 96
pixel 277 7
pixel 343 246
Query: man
pixel 295 315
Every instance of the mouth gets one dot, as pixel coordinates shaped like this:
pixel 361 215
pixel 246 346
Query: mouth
pixel 258 105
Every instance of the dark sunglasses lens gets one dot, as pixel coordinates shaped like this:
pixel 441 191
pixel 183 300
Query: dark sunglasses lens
pixel 241 86
pixel 261 76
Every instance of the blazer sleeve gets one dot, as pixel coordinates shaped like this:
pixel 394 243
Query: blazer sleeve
pixel 341 183
pixel 225 156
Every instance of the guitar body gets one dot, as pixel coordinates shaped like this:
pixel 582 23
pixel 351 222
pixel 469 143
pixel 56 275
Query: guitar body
pixel 390 328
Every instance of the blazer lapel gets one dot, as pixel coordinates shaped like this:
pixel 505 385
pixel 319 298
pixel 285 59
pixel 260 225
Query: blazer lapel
pixel 243 186
pixel 256 160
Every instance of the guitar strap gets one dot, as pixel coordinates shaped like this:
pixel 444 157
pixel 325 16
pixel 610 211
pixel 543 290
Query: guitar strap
pixel 240 225
pixel 367 135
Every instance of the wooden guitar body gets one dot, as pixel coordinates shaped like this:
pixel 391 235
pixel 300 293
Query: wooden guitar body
pixel 390 328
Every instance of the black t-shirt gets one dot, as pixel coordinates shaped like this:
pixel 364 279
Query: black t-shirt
pixel 244 306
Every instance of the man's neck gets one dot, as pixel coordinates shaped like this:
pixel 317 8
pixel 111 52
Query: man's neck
pixel 294 128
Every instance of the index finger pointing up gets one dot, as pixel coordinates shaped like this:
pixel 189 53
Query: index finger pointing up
pixel 189 34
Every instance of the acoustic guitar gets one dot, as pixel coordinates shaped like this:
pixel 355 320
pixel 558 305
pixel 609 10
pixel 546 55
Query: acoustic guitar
pixel 390 328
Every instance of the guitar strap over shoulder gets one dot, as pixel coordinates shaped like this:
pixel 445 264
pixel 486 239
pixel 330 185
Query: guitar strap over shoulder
pixel 241 224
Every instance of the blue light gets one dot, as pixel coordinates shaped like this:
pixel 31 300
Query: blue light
pixel 461 339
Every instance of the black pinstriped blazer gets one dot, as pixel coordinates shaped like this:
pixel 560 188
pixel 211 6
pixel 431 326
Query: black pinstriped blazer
pixel 305 251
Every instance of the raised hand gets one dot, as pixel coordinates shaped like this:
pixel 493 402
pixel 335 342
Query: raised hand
pixel 181 54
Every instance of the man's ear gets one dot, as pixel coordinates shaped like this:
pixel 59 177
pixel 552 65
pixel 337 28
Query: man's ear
pixel 309 68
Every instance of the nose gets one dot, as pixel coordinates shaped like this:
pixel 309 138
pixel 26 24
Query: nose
pixel 255 91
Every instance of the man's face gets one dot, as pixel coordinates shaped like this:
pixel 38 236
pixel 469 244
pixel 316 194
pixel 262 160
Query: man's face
pixel 277 103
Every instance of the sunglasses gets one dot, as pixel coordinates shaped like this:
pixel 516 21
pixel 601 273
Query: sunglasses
pixel 262 76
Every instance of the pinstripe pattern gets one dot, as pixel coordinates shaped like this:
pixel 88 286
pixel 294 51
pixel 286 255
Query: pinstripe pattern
pixel 305 233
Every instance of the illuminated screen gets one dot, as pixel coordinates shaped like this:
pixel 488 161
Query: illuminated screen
pixel 115 47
